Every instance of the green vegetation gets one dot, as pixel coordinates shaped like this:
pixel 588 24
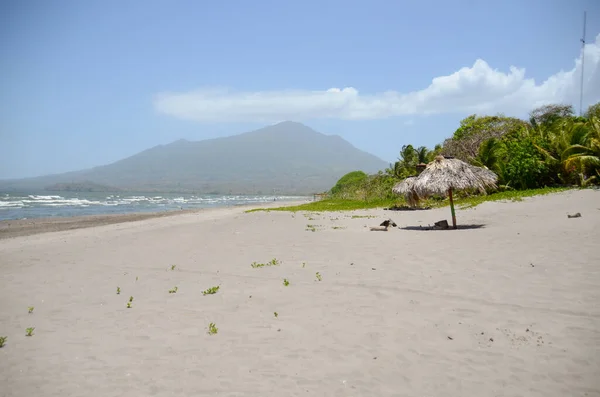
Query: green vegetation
pixel 173 267
pixel 311 228
pixel 3 340
pixel 272 262
pixel 334 204
pixel 212 329
pixel 131 299
pixel 211 290
pixel 551 151
pixel 30 309
pixel 319 277
pixel 29 331
pixel 173 290
pixel 276 314
pixel 129 305
pixel 286 282
pixel 118 290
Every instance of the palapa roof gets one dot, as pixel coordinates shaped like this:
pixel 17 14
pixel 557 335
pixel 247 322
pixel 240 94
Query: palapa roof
pixel 405 186
pixel 443 174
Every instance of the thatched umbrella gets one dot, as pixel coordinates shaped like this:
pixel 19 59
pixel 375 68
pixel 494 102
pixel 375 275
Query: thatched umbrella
pixel 445 175
pixel 405 188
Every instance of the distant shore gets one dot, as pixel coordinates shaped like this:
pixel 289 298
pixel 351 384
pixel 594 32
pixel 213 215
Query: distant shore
pixel 28 227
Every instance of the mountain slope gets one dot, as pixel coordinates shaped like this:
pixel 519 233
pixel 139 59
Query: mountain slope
pixel 288 156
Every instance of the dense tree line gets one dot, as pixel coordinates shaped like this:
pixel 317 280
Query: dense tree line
pixel 554 147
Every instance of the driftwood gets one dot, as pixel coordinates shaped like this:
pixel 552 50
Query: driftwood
pixel 577 215
pixel 383 227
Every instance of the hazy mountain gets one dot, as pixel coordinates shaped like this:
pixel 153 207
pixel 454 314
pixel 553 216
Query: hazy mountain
pixel 289 157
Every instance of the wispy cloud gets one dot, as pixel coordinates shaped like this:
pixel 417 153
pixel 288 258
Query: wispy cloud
pixel 476 89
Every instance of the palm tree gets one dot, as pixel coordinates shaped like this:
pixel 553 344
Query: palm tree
pixel 570 146
pixel 584 152
pixel 422 155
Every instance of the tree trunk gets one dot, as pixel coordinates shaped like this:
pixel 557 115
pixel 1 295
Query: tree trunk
pixel 452 208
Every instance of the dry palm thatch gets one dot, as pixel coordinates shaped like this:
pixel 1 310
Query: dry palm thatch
pixel 445 175
pixel 405 188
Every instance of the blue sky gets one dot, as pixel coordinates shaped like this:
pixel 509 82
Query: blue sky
pixel 86 83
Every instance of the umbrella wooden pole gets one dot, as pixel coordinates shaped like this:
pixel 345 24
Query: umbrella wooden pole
pixel 452 208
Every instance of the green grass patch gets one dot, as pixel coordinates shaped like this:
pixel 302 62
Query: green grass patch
pixel 211 290
pixel 329 205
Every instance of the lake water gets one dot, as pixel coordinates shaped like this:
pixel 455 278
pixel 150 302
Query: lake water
pixel 60 204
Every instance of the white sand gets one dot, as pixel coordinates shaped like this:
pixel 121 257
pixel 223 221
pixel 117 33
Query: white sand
pixel 397 313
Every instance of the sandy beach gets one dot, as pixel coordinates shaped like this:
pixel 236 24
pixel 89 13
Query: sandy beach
pixel 509 307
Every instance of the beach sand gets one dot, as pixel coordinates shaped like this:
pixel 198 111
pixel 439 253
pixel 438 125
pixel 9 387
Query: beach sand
pixel 508 309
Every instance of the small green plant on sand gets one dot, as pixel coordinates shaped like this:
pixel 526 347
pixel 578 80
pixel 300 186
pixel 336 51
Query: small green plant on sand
pixel 173 290
pixel 311 228
pixel 303 265
pixel 131 299
pixel 212 329
pixel 211 290
pixel 3 340
pixel 129 305
pixel 118 290
pixel 173 267
pixel 272 262
pixel 276 314
pixel 318 275
pixel 29 331
pixel 30 309
pixel 286 282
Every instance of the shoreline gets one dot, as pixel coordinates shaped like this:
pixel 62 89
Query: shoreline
pixel 28 227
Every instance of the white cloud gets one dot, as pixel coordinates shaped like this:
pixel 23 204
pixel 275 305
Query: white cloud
pixel 471 89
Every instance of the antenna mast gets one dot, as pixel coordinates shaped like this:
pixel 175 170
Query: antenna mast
pixel 582 64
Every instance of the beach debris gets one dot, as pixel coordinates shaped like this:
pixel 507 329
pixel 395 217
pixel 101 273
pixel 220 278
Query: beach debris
pixel 373 268
pixel 576 215
pixel 532 265
pixel 441 225
pixel 383 227
pixel 450 338
pixel 3 340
